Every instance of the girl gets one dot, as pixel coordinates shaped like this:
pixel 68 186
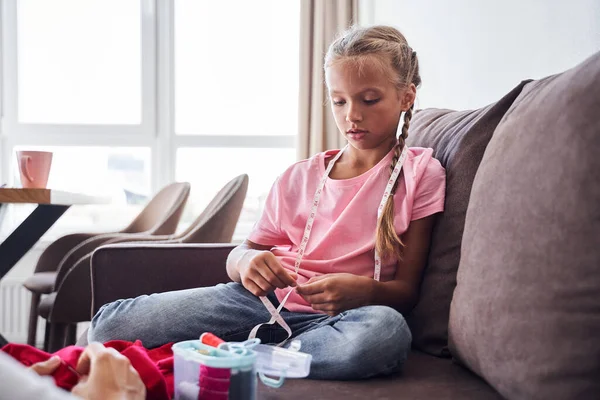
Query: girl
pixel 339 273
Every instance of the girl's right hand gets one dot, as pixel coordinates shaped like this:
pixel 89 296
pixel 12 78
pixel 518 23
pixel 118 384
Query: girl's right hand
pixel 263 273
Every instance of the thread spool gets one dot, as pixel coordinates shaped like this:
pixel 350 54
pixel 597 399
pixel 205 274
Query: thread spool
pixel 211 339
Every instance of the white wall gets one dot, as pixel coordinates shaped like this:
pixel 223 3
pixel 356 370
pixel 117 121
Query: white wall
pixel 472 52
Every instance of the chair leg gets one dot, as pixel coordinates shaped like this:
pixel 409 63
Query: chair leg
pixel 33 319
pixel 46 335
pixel 71 335
pixel 58 332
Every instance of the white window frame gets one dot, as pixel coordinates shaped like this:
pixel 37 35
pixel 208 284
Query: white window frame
pixel 4 153
pixel 28 132
pixel 166 48
pixel 157 130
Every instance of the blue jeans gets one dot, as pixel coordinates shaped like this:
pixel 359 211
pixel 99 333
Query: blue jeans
pixel 356 344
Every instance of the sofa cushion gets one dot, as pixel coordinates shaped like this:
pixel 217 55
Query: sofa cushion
pixel 459 139
pixel 424 377
pixel 526 310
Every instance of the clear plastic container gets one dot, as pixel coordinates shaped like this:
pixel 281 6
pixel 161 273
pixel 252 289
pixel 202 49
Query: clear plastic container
pixel 229 371
pixel 203 371
pixel 277 361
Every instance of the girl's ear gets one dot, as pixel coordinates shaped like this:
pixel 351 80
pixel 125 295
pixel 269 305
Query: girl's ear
pixel 408 98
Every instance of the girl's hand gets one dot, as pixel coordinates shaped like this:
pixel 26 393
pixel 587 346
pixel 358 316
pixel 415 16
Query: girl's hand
pixel 334 293
pixel 107 375
pixel 264 273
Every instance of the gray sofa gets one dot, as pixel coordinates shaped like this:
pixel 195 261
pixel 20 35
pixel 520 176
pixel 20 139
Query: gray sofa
pixel 510 299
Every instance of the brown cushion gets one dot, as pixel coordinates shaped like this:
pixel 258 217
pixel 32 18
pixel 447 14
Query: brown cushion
pixel 526 310
pixel 424 378
pixel 459 139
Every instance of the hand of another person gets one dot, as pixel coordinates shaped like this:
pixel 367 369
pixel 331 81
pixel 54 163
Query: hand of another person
pixel 334 293
pixel 46 367
pixel 264 273
pixel 107 375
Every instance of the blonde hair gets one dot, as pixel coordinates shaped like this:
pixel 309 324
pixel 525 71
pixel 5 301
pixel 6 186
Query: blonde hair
pixel 388 44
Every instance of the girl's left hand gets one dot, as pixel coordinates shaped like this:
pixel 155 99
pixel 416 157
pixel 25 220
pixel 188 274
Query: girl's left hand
pixel 334 293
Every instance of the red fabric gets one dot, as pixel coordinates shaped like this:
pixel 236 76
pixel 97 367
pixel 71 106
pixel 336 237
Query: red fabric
pixel 155 366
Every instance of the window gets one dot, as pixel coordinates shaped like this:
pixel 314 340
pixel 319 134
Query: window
pixel 133 94
pixel 236 96
pixel 262 165
pixel 72 69
pixel 246 74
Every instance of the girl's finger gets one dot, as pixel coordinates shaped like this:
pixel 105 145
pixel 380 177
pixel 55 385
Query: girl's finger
pixel 317 298
pixel 261 282
pixel 253 288
pixel 264 284
pixel 316 278
pixel 285 277
pixel 272 277
pixel 311 288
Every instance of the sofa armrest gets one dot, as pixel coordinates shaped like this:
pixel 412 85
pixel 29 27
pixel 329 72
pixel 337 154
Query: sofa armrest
pixel 123 271
pixel 88 246
pixel 50 258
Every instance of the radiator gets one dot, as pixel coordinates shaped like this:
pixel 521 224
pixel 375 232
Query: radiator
pixel 14 313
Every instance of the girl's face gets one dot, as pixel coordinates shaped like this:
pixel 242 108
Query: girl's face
pixel 366 105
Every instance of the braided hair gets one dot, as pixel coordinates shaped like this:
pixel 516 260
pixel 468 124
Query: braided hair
pixel 390 46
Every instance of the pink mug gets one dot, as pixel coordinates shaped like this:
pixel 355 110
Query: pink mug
pixel 34 167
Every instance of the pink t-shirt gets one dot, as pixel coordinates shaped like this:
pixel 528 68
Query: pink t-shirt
pixel 342 238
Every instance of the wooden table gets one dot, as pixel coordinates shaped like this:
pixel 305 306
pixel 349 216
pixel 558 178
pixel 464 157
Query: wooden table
pixel 51 205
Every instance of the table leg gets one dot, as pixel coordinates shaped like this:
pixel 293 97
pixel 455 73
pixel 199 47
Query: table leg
pixel 22 239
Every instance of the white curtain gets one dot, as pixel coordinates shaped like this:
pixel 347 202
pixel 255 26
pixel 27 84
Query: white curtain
pixel 321 21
